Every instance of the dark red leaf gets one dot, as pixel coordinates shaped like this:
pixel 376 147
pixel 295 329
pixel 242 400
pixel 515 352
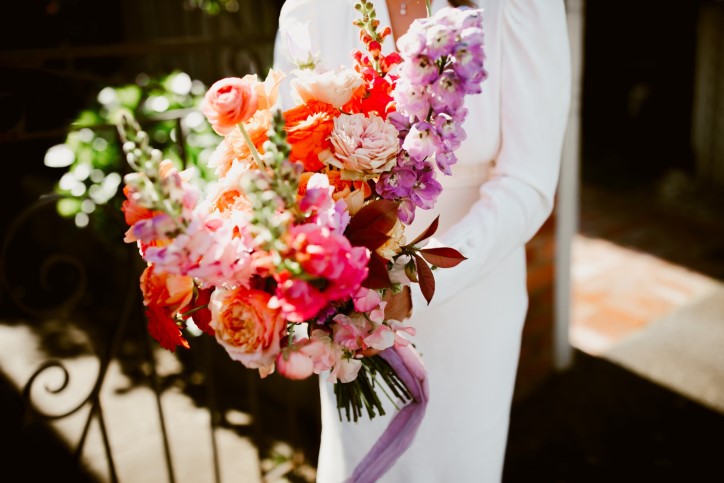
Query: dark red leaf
pixel 378 216
pixel 369 239
pixel 378 276
pixel 427 279
pixel 442 257
pixel 427 233
pixel 399 305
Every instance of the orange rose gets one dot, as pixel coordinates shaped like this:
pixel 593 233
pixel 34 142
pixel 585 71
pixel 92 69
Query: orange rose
pixel 230 101
pixel 308 129
pixel 246 327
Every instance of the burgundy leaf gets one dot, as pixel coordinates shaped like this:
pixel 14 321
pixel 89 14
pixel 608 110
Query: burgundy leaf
pixel 399 305
pixel 427 279
pixel 378 216
pixel 368 239
pixel 442 257
pixel 427 233
pixel 378 276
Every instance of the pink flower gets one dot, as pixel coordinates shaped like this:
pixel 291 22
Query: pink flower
pixel 297 299
pixel 345 370
pixel 349 332
pixel 246 327
pixel 381 338
pixel 294 364
pixel 329 256
pixel 230 101
pixel 366 299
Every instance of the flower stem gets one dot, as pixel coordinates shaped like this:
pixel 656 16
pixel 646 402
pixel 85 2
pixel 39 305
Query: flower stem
pixel 252 148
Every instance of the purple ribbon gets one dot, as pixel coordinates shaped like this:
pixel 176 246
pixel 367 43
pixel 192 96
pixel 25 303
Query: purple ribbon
pixel 400 432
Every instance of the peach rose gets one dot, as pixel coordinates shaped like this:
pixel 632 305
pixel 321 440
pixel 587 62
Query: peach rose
pixel 246 327
pixel 334 87
pixel 230 101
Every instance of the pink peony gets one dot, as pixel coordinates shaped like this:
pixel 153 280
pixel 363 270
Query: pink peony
pixel 364 146
pixel 330 256
pixel 230 101
pixel 297 299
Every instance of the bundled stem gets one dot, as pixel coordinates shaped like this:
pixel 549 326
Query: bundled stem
pixel 358 395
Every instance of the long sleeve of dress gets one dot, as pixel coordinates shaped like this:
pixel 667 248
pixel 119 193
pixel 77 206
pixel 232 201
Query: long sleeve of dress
pixel 534 97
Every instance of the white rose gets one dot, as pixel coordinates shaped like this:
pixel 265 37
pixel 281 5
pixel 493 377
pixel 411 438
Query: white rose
pixel 334 87
pixel 363 146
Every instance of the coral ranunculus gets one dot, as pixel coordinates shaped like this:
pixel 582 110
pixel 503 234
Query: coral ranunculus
pixel 230 101
pixel 308 129
pixel 246 327
pixel 233 148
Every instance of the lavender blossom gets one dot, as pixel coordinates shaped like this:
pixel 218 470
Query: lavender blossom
pixel 422 141
pixel 447 93
pixel 420 70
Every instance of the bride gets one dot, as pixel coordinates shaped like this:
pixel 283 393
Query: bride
pixel 501 191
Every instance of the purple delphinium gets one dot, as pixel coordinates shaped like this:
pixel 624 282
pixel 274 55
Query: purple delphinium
pixel 443 60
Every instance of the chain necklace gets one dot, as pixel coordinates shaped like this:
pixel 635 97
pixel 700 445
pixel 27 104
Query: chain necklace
pixel 403 6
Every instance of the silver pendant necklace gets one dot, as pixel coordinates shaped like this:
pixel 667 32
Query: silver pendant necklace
pixel 403 7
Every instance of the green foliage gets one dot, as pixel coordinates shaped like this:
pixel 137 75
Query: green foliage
pixel 92 154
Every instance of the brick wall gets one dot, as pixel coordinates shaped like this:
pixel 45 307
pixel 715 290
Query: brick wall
pixel 536 356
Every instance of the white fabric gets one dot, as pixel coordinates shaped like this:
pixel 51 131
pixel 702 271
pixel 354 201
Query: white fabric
pixel 500 193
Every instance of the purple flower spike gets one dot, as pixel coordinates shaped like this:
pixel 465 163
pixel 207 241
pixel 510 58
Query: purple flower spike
pixel 427 190
pixel 406 212
pixel 422 141
pixel 397 183
pixel 412 100
pixel 420 69
pixel 445 159
pixel 447 93
pixel 440 40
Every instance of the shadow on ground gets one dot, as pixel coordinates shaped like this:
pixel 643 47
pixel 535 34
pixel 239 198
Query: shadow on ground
pixel 594 423
pixel 600 423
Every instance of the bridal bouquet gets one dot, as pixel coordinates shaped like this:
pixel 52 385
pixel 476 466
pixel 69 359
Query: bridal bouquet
pixel 295 258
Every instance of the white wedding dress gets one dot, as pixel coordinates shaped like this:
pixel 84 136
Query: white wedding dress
pixel 500 193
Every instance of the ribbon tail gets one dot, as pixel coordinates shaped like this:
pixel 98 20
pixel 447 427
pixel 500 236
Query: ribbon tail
pixel 402 429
